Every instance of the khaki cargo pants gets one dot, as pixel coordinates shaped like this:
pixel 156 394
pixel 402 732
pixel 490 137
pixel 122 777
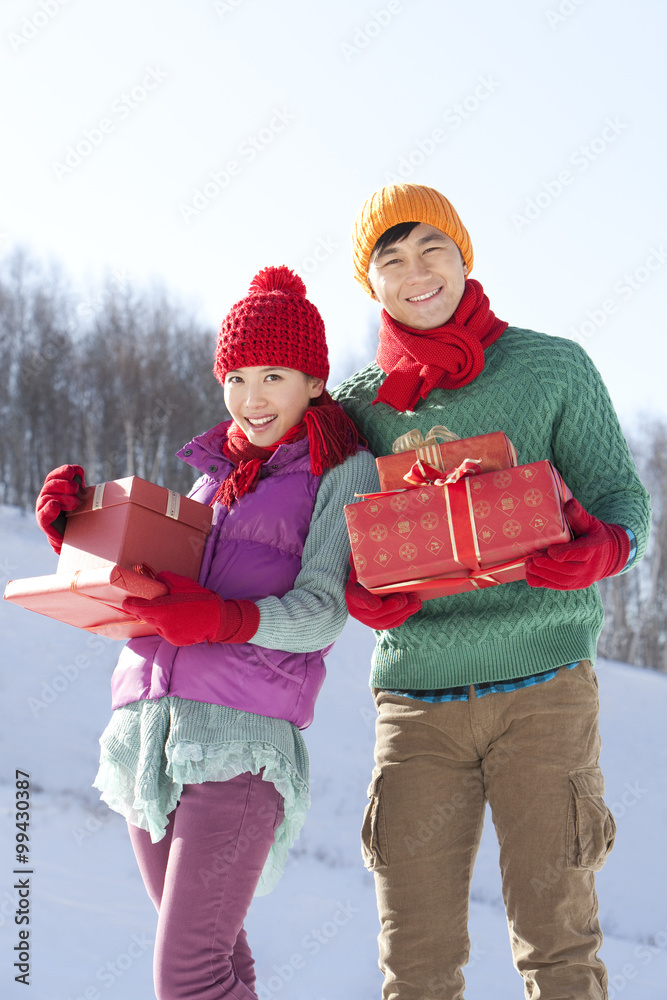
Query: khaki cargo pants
pixel 533 755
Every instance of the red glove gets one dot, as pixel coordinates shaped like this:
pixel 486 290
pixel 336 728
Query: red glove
pixel 58 494
pixel 190 613
pixel 375 611
pixel 598 550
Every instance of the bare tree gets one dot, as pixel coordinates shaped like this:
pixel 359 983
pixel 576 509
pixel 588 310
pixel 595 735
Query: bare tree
pixel 118 388
pixel 635 630
pixel 121 387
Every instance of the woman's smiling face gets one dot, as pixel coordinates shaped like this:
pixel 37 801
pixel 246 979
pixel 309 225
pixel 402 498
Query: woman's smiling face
pixel 266 401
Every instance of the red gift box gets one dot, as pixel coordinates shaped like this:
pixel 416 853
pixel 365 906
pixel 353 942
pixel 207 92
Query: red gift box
pixel 120 536
pixel 90 598
pixel 474 533
pixel 130 522
pixel 494 451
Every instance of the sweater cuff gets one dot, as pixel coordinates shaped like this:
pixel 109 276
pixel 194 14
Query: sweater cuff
pixel 633 548
pixel 624 547
pixel 240 622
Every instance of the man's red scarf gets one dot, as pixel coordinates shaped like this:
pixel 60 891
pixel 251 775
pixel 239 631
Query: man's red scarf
pixel 447 357
pixel 332 437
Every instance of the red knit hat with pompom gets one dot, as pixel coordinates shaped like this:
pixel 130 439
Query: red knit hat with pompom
pixel 274 324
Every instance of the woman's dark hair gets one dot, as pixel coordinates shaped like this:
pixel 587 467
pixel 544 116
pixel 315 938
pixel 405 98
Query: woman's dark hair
pixel 394 235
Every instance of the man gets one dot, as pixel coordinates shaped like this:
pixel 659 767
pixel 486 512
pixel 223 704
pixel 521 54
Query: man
pixel 489 695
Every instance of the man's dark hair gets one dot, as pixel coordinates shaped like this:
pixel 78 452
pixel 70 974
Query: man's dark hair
pixel 394 235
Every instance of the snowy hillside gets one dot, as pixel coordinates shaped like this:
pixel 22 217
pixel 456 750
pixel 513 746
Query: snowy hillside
pixel 314 937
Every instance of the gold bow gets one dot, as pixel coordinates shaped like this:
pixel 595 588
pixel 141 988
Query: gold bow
pixel 414 440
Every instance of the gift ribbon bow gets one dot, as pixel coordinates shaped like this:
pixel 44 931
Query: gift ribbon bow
pixel 427 448
pixel 423 474
pixel 414 439
pixel 461 521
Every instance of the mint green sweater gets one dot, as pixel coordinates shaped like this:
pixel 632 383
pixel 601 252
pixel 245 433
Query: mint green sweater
pixel 151 749
pixel 548 397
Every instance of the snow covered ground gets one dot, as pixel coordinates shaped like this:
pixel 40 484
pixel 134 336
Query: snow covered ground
pixel 91 925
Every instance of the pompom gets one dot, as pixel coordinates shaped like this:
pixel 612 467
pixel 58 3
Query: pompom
pixel 278 279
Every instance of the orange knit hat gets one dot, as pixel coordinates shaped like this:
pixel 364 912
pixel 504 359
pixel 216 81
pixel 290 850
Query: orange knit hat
pixel 398 203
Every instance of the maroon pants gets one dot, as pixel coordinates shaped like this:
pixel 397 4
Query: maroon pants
pixel 201 877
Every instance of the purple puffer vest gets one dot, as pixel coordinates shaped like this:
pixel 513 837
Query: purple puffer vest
pixel 252 551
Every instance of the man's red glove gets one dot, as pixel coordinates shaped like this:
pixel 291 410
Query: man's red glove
pixel 375 611
pixel 190 613
pixel 597 550
pixel 58 494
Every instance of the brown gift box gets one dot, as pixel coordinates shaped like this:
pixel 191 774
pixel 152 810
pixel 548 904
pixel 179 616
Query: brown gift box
pixel 468 535
pixel 120 536
pixel 495 451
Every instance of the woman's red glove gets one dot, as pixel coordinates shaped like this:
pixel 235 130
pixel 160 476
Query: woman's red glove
pixel 58 494
pixel 190 613
pixel 597 550
pixel 375 611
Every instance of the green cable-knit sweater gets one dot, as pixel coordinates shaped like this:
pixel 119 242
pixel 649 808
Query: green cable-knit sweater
pixel 548 397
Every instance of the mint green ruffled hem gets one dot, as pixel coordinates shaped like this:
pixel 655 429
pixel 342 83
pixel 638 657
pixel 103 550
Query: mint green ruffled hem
pixel 194 763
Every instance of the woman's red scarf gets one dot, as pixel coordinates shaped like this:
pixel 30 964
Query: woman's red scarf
pixel 332 437
pixel 447 357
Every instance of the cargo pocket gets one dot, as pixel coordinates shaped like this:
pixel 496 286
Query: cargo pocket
pixel 591 827
pixel 373 830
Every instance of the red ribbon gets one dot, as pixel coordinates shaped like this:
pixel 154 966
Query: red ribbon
pixel 460 521
pixel 423 474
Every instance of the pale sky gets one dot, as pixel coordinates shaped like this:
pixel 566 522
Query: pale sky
pixel 196 143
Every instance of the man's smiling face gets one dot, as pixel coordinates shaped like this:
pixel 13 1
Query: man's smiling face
pixel 419 280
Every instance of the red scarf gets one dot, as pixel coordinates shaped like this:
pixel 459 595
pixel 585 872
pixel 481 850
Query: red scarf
pixel 332 437
pixel 449 356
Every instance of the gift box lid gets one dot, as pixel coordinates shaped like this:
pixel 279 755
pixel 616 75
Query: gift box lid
pixel 91 599
pixel 493 451
pixel 133 489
